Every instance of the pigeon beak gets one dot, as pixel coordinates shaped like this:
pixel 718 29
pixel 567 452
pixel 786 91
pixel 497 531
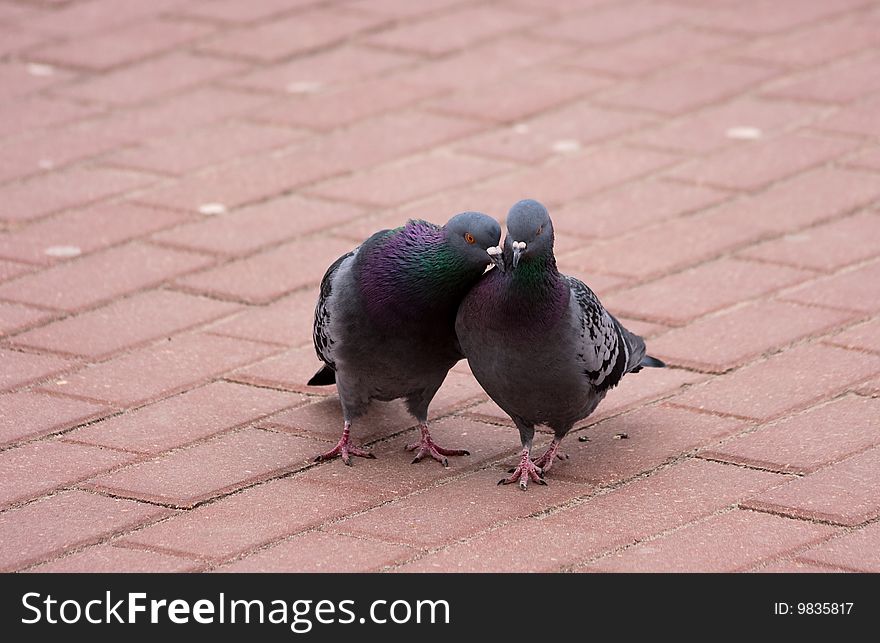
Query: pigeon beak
pixel 519 247
pixel 496 254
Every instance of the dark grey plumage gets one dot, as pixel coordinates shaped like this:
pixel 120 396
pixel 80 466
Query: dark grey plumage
pixel 385 317
pixel 540 343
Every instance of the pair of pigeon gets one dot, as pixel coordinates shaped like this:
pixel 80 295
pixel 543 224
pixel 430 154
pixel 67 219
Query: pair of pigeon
pixel 397 312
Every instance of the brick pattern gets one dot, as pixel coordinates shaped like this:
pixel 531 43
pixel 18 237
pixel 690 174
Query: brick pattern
pixel 21 369
pixel 183 419
pixel 216 467
pixel 38 468
pixel 84 231
pixel 842 493
pixel 101 277
pixel 803 443
pixel 816 371
pixel 741 334
pixel 855 551
pixel 156 371
pixel 66 520
pixel 603 523
pixel 328 553
pixel 123 324
pixel 112 559
pixel 691 550
pixel 27 415
pixel 237 523
pixel 175 178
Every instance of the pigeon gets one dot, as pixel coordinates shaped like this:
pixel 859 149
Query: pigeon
pixel 539 342
pixel 385 319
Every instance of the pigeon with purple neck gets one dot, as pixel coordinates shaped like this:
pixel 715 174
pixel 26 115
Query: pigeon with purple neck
pixel 385 320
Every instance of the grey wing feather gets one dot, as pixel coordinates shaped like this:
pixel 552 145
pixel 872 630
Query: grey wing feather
pixel 608 350
pixel 322 329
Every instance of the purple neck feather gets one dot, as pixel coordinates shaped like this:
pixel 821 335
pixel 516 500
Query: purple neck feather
pixel 531 297
pixel 413 271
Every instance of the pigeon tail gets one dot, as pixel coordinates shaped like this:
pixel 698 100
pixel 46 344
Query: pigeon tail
pixel 324 377
pixel 648 362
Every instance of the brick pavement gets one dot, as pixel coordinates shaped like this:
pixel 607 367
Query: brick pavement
pixel 175 177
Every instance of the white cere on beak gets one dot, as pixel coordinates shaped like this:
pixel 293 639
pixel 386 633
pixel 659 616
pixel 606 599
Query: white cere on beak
pixel 494 250
pixel 519 245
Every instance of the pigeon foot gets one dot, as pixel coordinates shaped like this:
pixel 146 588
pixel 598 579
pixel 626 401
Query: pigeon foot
pixel 524 472
pixel 345 449
pixel 427 446
pixel 546 459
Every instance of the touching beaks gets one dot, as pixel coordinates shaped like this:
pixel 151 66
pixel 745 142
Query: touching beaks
pixel 496 254
pixel 519 247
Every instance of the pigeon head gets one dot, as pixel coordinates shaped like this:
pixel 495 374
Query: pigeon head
pixel 475 237
pixel 529 232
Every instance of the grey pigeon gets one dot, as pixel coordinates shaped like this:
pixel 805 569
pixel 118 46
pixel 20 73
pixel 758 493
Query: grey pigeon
pixel 385 319
pixel 539 342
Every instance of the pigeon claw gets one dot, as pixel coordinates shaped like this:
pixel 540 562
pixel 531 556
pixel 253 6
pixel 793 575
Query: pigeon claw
pixel 426 446
pixel 546 459
pixel 344 449
pixel 523 473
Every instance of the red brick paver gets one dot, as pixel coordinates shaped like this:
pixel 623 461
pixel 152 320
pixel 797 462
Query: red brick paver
pixel 639 441
pixel 826 247
pixel 120 46
pixel 66 520
pixel 785 382
pixel 805 442
pixel 101 276
pixel 161 369
pixel 254 227
pixel 59 191
pixel 293 265
pixel 843 493
pixel 83 231
pixel 238 523
pixel 194 474
pixel 854 290
pixel 112 559
pixel 175 178
pixel 856 551
pixel 329 553
pixel 720 342
pixel 690 490
pixel 17 317
pixel 683 296
pixel 125 323
pixel 756 166
pixel 177 421
pixel 40 467
pixel 20 369
pixel 706 546
pixel 449 512
pixel 28 415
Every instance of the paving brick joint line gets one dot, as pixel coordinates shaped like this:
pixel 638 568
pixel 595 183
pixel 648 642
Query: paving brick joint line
pixel 175 178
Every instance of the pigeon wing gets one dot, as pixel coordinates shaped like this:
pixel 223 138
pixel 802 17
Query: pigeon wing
pixel 323 329
pixel 607 350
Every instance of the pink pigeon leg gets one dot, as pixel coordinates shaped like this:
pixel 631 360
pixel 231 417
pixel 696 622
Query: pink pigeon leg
pixel 427 446
pixel 524 472
pixel 345 449
pixel 545 460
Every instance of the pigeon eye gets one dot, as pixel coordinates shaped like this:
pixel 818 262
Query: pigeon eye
pixel 469 237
